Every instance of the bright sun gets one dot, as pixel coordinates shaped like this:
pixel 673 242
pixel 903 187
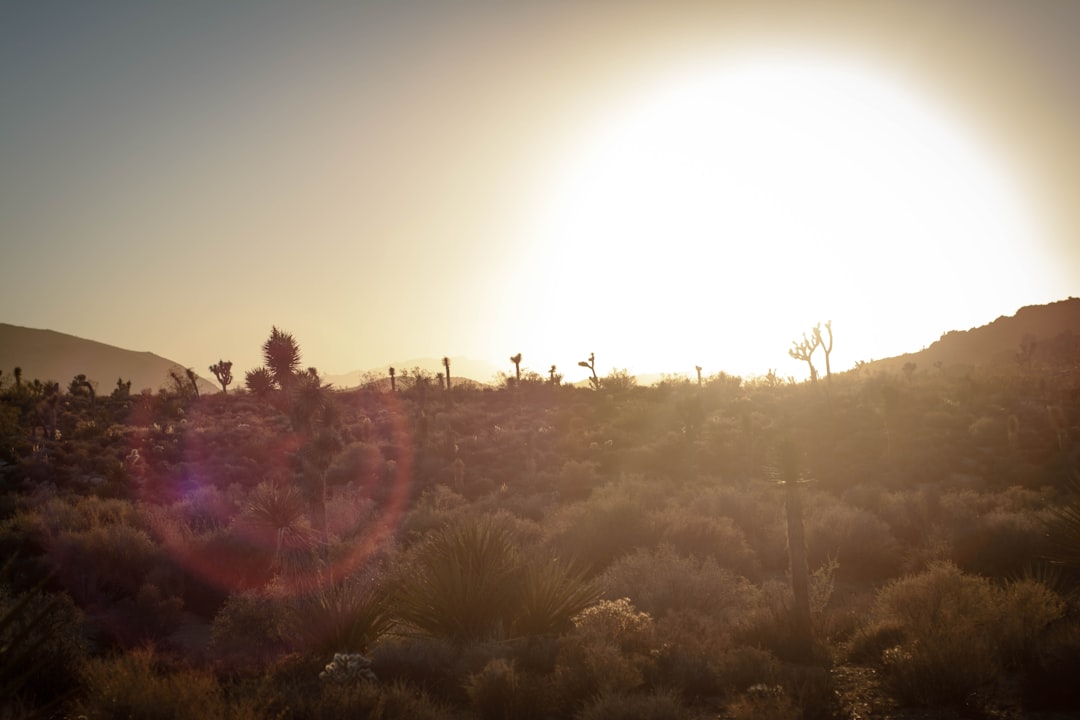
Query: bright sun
pixel 714 219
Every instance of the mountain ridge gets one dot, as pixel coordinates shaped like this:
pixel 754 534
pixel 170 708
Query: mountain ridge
pixel 48 355
pixel 1052 332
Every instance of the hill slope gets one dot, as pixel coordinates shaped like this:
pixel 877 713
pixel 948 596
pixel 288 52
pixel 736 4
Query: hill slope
pixel 48 355
pixel 1054 328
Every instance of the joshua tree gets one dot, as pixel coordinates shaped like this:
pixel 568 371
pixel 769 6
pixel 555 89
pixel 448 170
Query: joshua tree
pixel 81 386
pixel 18 378
pixel 805 350
pixel 826 347
pixel 446 364
pixel 555 377
pixel 698 368
pixel 516 359
pixel 191 378
pixel 281 353
pixel 393 380
pixel 122 391
pixel 259 381
pixel 223 372
pixel 787 468
pixel 594 381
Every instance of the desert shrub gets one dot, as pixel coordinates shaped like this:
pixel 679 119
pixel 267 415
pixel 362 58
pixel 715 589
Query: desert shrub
pixel 436 507
pixel 150 615
pixel 660 581
pixel 1001 543
pixel 1049 680
pixel 576 480
pixel 359 462
pixel 654 705
pixel 1027 608
pixel 944 633
pixel 691 533
pixel 429 662
pixel 105 561
pixel 136 684
pixel 609 651
pixel 314 699
pixel 205 508
pixel 601 529
pixel 764 701
pixel 43 645
pixel 349 512
pixel 501 691
pixel 250 629
pixel 756 510
pixel 862 543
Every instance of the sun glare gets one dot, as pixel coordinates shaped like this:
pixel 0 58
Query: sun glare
pixel 713 219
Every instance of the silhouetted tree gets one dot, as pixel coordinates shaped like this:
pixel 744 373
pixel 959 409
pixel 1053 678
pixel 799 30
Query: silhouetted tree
pixel 804 351
pixel 222 370
pixel 122 391
pixel 698 368
pixel 18 378
pixel 393 380
pixel 594 381
pixel 787 470
pixel 826 347
pixel 259 381
pixel 191 378
pixel 556 378
pixel 281 353
pixel 516 359
pixel 80 386
pixel 446 364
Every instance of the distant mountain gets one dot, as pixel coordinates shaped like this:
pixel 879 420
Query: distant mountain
pixel 48 355
pixel 461 368
pixel 1054 330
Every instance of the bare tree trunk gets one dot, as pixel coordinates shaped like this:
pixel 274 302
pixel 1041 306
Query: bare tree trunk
pixel 800 573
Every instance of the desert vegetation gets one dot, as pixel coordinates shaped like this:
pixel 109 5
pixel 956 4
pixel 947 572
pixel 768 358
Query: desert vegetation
pixel 722 547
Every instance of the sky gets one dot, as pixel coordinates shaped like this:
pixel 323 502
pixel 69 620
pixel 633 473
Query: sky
pixel 662 184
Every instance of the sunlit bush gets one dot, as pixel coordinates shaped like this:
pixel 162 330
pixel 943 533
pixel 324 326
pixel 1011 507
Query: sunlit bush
pixel 942 633
pixel 660 581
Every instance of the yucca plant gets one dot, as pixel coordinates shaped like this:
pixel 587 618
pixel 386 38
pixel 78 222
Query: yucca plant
pixel 275 520
pixel 550 594
pixel 461 584
pixel 347 617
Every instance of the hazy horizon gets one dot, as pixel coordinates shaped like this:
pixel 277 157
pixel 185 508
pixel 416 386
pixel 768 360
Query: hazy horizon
pixel 666 185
